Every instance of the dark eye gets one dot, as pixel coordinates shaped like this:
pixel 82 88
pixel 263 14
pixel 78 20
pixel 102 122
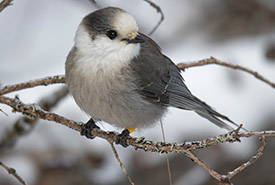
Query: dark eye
pixel 112 34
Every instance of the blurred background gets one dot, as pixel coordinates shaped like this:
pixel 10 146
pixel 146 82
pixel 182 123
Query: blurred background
pixel 35 38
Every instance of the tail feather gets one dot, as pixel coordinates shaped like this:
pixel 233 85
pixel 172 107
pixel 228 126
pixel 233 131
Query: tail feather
pixel 213 116
pixel 181 97
pixel 214 120
pixel 189 102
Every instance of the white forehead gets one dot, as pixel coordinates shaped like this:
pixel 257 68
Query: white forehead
pixel 125 23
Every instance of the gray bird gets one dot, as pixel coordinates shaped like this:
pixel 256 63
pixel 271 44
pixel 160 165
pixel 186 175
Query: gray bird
pixel 118 75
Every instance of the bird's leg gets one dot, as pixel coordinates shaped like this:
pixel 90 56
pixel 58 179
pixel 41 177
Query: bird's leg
pixel 121 139
pixel 87 128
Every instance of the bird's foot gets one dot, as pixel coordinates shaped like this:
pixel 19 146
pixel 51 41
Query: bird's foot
pixel 87 128
pixel 122 138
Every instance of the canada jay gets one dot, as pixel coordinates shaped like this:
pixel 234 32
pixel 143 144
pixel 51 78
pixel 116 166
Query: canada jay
pixel 118 75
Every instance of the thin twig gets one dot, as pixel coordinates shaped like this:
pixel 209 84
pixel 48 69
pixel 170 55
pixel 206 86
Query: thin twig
pixel 12 171
pixel 258 154
pixel 121 164
pixel 224 179
pixel 257 133
pixel 43 81
pixel 94 3
pixel 4 4
pixel 167 158
pixel 213 60
pixel 213 173
pixel 3 112
pixel 159 11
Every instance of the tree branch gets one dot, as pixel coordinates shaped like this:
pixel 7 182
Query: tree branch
pixel 121 164
pixel 32 110
pixel 213 173
pixel 4 4
pixel 159 11
pixel 35 111
pixel 12 171
pixel 43 81
pixel 213 60
pixel 251 160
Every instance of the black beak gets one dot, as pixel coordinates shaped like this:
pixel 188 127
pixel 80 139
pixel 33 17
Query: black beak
pixel 137 39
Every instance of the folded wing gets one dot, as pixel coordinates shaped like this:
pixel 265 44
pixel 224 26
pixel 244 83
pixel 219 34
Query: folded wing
pixel 159 81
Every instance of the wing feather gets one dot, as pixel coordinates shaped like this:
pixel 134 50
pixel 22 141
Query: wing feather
pixel 159 81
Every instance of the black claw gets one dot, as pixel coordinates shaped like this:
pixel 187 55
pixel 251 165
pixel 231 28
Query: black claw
pixel 121 139
pixel 87 128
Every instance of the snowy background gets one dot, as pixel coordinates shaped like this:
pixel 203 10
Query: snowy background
pixel 36 36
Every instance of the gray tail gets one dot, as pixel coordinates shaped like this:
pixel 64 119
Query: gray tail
pixel 214 119
pixel 181 97
pixel 185 100
pixel 207 112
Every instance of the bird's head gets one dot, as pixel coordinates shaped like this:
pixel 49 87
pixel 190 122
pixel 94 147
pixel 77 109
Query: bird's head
pixel 109 30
